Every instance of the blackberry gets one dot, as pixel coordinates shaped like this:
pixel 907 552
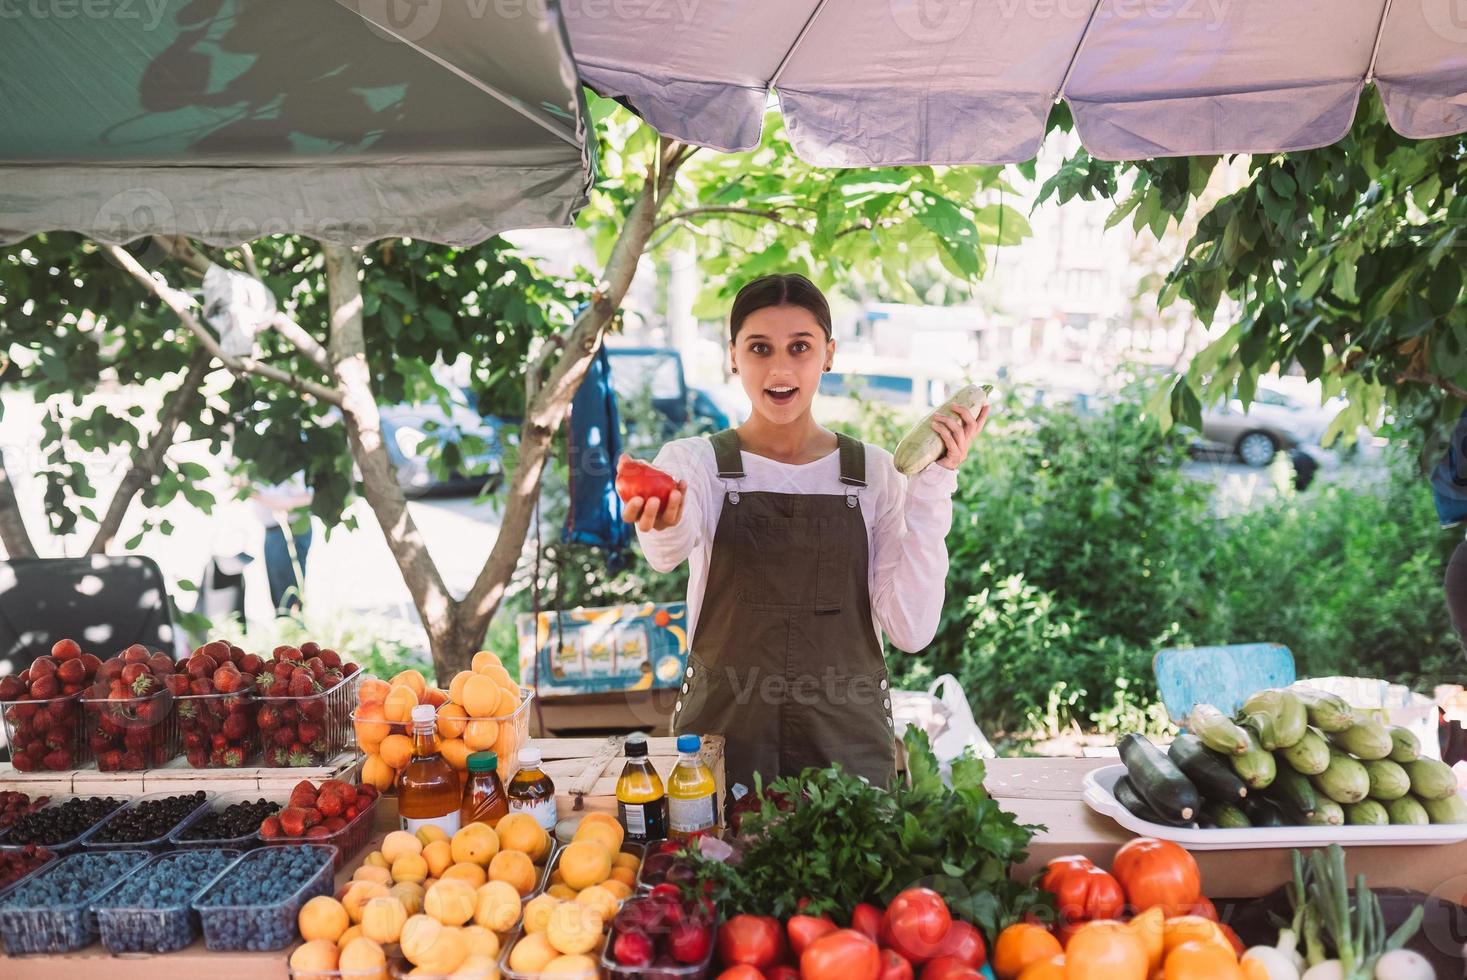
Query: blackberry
pixel 61 823
pixel 233 822
pixel 148 820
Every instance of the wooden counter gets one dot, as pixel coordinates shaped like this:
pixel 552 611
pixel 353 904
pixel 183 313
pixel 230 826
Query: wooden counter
pixel 1042 791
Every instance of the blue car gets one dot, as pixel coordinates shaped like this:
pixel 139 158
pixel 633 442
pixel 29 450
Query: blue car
pixel 658 371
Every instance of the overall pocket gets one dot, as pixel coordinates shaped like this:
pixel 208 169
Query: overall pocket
pixel 787 563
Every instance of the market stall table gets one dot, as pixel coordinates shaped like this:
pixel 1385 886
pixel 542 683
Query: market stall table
pixel 1043 791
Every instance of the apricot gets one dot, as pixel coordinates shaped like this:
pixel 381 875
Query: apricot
pixel 598 898
pixel 522 832
pixel 455 752
pixel 370 872
pixel 371 726
pixel 531 953
pixel 466 871
pixel 398 844
pixel 372 690
pixel 573 966
pixel 574 928
pixel 382 919
pixel 439 856
pixel 399 704
pixel 410 894
pixel 456 686
pixel 481 734
pixel 435 696
pixel 362 956
pixel 584 863
pixel 451 901
pixel 314 959
pixel 410 867
pixel 358 894
pixel 483 659
pixel 396 751
pixel 413 679
pixel 481 941
pixel 497 906
pixel 537 912
pixel 452 720
pixel 515 868
pixel 481 697
pixel 323 917
pixel 376 772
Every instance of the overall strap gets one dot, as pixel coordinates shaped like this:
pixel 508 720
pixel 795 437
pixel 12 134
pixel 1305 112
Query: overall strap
pixel 726 453
pixel 852 460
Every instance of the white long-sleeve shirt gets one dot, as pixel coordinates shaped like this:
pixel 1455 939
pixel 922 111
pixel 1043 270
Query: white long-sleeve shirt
pixel 907 520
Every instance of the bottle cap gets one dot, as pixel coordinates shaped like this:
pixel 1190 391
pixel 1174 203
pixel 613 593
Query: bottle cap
pixel 529 757
pixel 636 745
pixel 483 762
pixel 689 743
pixel 423 713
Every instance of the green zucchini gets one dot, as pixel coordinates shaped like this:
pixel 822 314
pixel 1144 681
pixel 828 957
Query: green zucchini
pixel 1291 791
pixel 1216 730
pixel 1277 716
pixel 1309 755
pixel 1408 811
pixel 1404 745
pixel 1327 712
pixel 1262 812
pixel 1212 777
pixel 1225 816
pixel 921 446
pixel 1127 797
pixel 1327 813
pixel 1345 781
pixel 1431 779
pixel 1450 809
pixel 1256 767
pixel 1366 739
pixel 1388 781
pixel 1157 779
pixel 1367 813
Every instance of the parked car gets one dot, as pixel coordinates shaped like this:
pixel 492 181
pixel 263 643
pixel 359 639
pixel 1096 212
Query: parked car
pixel 408 429
pixel 1275 422
pixel 637 372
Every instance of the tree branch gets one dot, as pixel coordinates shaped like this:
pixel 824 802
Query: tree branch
pixel 686 213
pixel 147 459
pixel 364 431
pixel 12 526
pixel 182 306
pixel 1436 381
pixel 545 414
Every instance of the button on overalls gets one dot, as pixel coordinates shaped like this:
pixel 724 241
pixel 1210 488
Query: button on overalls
pixel 785 662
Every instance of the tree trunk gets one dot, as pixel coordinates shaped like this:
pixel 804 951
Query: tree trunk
pixel 348 353
pixel 13 534
pixel 147 460
pixel 551 403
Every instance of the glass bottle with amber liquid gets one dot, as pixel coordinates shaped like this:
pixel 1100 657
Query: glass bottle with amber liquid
pixel 641 800
pixel 428 789
pixel 532 791
pixel 485 800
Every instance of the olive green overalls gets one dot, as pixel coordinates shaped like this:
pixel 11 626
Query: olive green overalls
pixel 785 661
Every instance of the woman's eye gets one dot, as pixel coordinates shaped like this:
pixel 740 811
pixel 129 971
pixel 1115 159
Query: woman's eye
pixel 759 348
pixel 799 348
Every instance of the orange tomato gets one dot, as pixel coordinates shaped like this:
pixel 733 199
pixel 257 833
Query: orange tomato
pixel 1105 950
pixel 1158 872
pixel 1202 961
pixel 1191 928
pixel 1052 968
pixel 1020 945
pixel 1150 927
pixel 1232 937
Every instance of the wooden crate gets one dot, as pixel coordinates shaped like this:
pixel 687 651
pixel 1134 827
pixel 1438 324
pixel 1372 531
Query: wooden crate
pixel 585 770
pixel 176 776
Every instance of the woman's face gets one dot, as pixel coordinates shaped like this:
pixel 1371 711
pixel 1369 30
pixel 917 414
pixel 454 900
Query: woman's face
pixel 779 355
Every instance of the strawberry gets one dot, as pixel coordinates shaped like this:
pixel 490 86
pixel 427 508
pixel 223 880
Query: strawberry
pixel 58 738
pixel 144 685
pixel 162 665
pixel 11 688
pixel 218 741
pixel 201 685
pixel 99 742
pixel 193 740
pixel 270 828
pixel 218 649
pixel 42 667
pixel 300 758
pixel 132 672
pixel 284 737
pixel 317 832
pixel 227 679
pixel 236 654
pixel 317 667
pixel 236 726
pixel 334 824
pixel 350 813
pixel 310 648
pixel 279 688
pixel 301 685
pixel 65 650
pixel 303 795
pixel 366 793
pixel 135 654
pixel 309 732
pixel 92 663
pixel 177 684
pixel 348 669
pixel 332 658
pixel 269 718
pixel 71 672
pixel 198 758
pixel 314 708
pixel 23 762
pixel 57 760
pixel 293 821
pixel 201 665
pixel 45 687
pixel 289 653
pixel 329 802
pixel 251 664
pixel 233 757
pixel 133 760
pixel 276 757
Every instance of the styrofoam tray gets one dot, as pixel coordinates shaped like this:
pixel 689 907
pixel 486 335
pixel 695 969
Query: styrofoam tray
pixel 1100 796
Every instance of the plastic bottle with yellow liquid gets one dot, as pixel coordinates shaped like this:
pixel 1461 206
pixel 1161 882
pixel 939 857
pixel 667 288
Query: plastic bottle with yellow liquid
pixel 691 792
pixel 641 801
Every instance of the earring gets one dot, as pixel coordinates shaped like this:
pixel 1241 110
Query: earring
pixel 827 370
pixel 735 370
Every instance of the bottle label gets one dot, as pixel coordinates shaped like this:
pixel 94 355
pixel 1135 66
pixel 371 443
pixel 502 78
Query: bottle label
pixel 690 816
pixel 448 823
pixel 644 821
pixel 543 810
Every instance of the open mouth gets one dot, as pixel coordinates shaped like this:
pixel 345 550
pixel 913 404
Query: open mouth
pixel 781 395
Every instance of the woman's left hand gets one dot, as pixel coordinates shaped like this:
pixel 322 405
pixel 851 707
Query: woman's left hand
pixel 957 434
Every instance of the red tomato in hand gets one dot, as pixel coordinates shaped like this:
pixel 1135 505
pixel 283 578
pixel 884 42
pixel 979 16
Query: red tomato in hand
pixel 963 942
pixel 841 955
pixel 894 966
pixel 866 919
pixel 915 924
pixel 805 929
pixel 635 478
pixel 749 939
pixel 1158 872
pixel 1084 894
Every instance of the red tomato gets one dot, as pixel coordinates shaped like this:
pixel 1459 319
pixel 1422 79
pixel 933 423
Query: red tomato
pixel 635 478
pixel 841 955
pixel 866 919
pixel 805 929
pixel 1083 894
pixel 894 967
pixel 948 968
pixel 1203 907
pixel 741 972
pixel 963 942
pixel 782 972
pixel 1060 865
pixel 915 923
pixel 1158 872
pixel 753 940
pixel 1232 937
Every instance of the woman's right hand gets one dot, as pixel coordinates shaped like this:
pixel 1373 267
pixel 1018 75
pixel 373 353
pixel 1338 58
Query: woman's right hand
pixel 649 514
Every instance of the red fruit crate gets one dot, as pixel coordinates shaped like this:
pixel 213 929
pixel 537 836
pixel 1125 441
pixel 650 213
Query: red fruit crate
pixel 46 735
pixel 310 730
pixel 219 731
pixel 130 734
pixel 347 841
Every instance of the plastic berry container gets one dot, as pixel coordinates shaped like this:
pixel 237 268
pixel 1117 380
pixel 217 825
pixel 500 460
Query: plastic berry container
pixel 33 920
pixel 10 839
pixel 188 834
pixel 347 841
pixel 97 839
pixel 508 948
pixel 231 924
pixel 133 919
pixel 399 968
pixel 132 734
pixel 46 735
pixel 310 730
pixel 219 731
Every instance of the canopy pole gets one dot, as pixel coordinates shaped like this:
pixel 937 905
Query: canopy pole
pixel 489 90
pixel 1079 47
pixel 1375 51
pixel 799 39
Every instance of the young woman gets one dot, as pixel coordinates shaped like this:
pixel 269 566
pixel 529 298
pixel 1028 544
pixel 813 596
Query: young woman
pixel 805 547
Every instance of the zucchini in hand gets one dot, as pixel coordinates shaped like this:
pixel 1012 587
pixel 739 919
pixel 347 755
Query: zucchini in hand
pixel 921 446
pixel 1157 779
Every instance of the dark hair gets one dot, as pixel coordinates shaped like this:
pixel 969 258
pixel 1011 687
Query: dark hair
pixel 779 289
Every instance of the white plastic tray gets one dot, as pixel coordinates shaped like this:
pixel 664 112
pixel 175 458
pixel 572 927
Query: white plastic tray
pixel 1100 796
